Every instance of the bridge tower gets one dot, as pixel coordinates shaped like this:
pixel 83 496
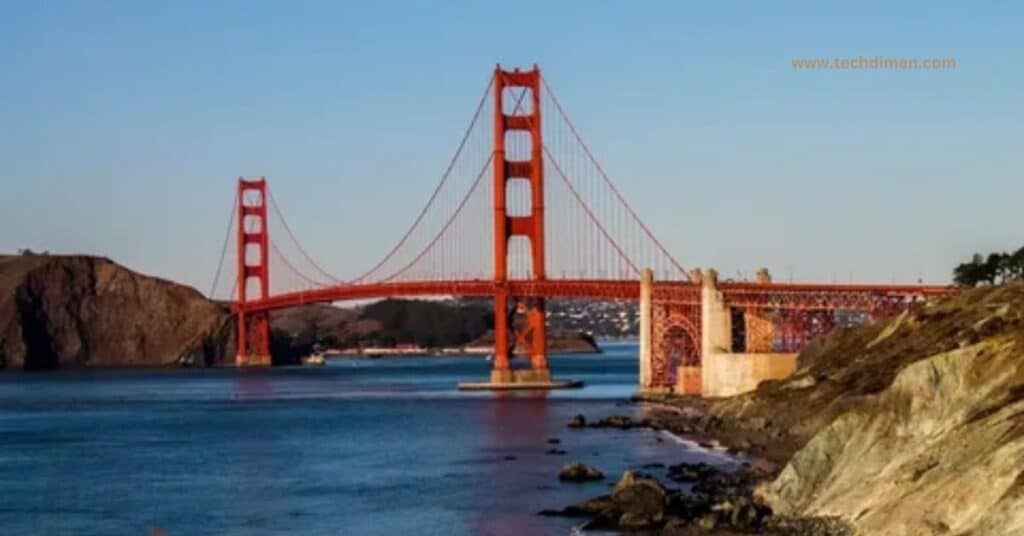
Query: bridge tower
pixel 253 327
pixel 530 334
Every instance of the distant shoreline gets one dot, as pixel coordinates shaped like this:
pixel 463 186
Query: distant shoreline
pixel 398 352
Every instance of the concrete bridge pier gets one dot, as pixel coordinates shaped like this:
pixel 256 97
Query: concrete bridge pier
pixel 727 371
pixel 721 370
pixel 646 284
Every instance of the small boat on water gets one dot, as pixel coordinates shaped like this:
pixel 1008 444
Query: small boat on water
pixel 313 360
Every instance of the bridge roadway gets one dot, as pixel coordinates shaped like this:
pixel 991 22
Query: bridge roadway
pixel 789 296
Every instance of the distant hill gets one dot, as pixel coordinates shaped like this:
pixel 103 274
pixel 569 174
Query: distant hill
pixel 424 323
pixel 74 311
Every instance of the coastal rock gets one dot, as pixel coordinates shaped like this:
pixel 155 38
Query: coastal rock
pixel 622 422
pixel 676 527
pixel 808 526
pixel 577 421
pixel 640 500
pixel 579 472
pixel 949 426
pixel 740 512
pixel 589 508
pixel 691 472
pixel 78 311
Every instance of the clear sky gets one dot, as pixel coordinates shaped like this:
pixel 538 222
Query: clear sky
pixel 124 124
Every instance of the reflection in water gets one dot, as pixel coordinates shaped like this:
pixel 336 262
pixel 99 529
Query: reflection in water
pixel 518 427
pixel 252 385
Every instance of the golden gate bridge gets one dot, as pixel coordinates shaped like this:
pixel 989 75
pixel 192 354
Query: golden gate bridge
pixel 523 213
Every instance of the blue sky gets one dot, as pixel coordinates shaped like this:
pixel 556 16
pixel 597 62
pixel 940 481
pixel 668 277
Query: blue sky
pixel 125 124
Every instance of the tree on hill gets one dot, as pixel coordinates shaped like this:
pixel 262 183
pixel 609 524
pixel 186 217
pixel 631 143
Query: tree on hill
pixel 997 267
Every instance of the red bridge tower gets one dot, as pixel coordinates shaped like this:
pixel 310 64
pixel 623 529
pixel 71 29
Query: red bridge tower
pixel 530 334
pixel 253 328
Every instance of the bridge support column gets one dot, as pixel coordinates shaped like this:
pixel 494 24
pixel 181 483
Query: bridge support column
pixel 529 331
pixel 715 334
pixel 646 355
pixel 723 372
pixel 253 339
pixel 536 318
pixel 529 334
pixel 716 319
pixel 252 327
pixel 500 363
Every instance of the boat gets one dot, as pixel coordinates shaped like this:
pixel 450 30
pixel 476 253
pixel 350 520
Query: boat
pixel 313 360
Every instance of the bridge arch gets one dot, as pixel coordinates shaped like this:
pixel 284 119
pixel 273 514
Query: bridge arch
pixel 676 343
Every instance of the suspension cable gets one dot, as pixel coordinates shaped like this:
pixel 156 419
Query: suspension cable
pixel 589 212
pixel 224 248
pixel 447 224
pixel 295 239
pixel 607 179
pixel 437 190
pixel 292 267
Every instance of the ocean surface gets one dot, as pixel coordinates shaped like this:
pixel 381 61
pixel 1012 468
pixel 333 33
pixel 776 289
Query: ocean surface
pixel 363 447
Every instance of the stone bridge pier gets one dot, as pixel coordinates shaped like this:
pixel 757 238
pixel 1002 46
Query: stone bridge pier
pixel 692 342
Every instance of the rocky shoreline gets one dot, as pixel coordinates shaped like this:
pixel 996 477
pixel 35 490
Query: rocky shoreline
pixel 695 498
pixel 910 426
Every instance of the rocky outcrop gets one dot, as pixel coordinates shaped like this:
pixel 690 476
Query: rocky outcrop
pixel 907 427
pixel 941 451
pixel 579 472
pixel 639 502
pixel 77 311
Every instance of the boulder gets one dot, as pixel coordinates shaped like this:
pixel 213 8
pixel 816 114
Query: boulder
pixel 577 421
pixel 641 501
pixel 691 472
pixel 621 422
pixel 588 508
pixel 579 472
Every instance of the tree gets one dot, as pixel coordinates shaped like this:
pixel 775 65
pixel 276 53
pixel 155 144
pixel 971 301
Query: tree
pixel 992 269
pixel 1015 264
pixel 969 274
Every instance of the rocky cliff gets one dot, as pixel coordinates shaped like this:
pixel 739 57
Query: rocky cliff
pixel 913 426
pixel 76 311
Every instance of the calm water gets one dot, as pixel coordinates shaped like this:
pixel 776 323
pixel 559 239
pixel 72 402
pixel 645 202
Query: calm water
pixel 356 447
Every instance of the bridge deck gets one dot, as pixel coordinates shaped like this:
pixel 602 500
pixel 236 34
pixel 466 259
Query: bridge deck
pixel 739 294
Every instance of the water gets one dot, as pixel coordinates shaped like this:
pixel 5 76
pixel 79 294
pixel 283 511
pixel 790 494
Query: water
pixel 357 447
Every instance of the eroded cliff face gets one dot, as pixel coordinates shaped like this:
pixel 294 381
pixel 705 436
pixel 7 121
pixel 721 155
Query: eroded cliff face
pixel 914 426
pixel 75 311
